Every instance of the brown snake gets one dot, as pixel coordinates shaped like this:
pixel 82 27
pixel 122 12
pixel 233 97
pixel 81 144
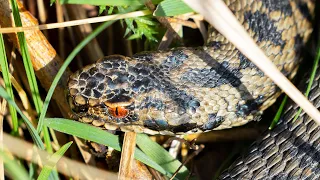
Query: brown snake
pixel 191 90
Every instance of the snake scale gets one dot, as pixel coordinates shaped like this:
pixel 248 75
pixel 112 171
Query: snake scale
pixel 192 90
pixel 290 151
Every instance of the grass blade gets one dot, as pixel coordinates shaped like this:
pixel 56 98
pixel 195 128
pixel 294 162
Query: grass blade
pixel 161 156
pixel 7 82
pixel 100 136
pixel 81 45
pixel 36 138
pixel 27 59
pixel 312 76
pixel 45 172
pixel 15 170
pixel 279 112
pixel 172 8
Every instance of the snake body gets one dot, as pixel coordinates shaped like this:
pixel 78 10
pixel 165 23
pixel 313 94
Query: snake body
pixel 290 151
pixel 191 90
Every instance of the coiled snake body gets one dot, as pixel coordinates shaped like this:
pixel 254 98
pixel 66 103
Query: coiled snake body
pixel 290 151
pixel 191 90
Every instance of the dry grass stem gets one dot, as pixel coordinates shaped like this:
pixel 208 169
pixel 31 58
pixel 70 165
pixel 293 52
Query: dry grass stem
pixel 127 156
pixel 76 22
pixel 42 11
pixel 195 153
pixel 3 108
pixel 169 35
pixel 23 97
pixel 83 148
pixel 202 29
pixel 66 166
pixel 183 22
pixel 60 19
pixel 92 49
pixel 72 36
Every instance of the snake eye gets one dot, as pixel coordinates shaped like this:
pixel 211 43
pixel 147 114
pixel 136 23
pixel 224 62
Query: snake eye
pixel 118 111
pixel 118 106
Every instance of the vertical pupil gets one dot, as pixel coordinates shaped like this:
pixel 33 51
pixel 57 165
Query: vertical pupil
pixel 117 111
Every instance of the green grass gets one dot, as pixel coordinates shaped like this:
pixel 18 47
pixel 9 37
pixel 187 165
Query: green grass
pixel 8 85
pixel 36 138
pixel 279 113
pixel 172 8
pixel 161 156
pixel 68 60
pixel 151 153
pixel 12 166
pixel 148 151
pixel 284 101
pixel 54 158
pixel 41 109
pixel 27 59
pixel 30 71
pixel 312 76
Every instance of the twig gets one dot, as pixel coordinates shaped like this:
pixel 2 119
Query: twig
pixel 202 28
pixel 156 175
pixel 201 147
pixel 127 156
pixel 83 148
pixel 190 144
pixel 182 22
pixel 163 20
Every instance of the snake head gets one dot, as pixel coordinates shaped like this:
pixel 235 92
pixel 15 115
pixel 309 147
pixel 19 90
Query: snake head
pixel 131 95
pixel 101 93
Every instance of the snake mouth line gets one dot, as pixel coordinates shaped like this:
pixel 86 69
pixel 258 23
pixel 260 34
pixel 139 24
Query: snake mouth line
pixel 123 127
pixel 138 128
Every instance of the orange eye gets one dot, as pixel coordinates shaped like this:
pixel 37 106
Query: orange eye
pixel 118 111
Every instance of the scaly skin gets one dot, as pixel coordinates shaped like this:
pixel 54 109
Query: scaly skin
pixel 290 151
pixel 191 90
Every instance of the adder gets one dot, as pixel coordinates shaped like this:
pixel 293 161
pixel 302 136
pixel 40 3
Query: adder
pixel 194 90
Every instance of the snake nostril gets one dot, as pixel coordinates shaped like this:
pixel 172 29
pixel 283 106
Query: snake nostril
pixel 80 109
